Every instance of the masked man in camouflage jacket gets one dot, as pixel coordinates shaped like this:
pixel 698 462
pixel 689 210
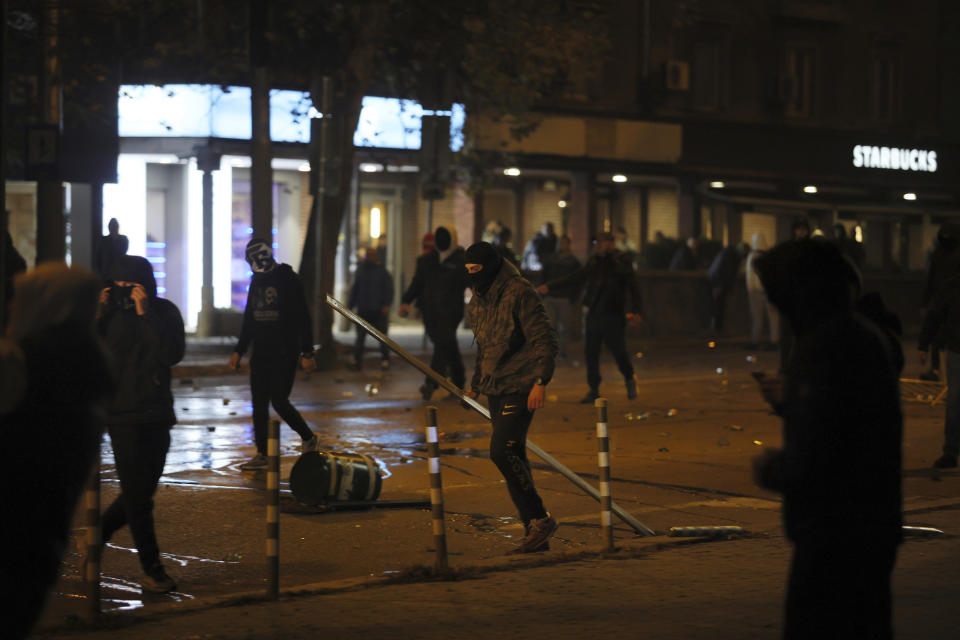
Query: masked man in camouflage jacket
pixel 516 349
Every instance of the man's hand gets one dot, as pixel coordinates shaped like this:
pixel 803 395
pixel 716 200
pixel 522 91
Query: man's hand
pixel 308 363
pixel 535 399
pixel 404 310
pixel 543 289
pixel 235 361
pixel 923 358
pixel 634 320
pixel 140 300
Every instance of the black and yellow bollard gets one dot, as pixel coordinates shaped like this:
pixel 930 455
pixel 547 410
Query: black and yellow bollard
pixel 603 458
pixel 436 490
pixel 94 549
pixel 273 510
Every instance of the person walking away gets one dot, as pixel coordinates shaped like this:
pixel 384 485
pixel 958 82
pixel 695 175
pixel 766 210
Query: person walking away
pixel 144 335
pixel 942 323
pixel 516 348
pixel 840 467
pixel 54 377
pixel 13 264
pixel 757 298
pixel 609 282
pixel 437 287
pixel 561 300
pixel 940 261
pixel 109 248
pixel 371 295
pixel 538 250
pixel 721 277
pixel 276 323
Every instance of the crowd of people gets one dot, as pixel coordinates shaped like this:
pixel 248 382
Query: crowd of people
pixel 115 341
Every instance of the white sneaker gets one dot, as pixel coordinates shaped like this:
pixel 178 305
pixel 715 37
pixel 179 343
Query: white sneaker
pixel 311 445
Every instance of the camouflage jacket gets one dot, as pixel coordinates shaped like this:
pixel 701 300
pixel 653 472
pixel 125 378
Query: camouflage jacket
pixel 516 344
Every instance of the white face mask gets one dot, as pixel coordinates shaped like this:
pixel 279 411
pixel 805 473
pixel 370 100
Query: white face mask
pixel 260 257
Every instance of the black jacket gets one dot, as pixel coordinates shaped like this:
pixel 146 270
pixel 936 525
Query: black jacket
pixel 438 287
pixel 609 281
pixel 372 288
pixel 840 467
pixel 142 349
pixel 276 319
pixel 559 266
pixel 943 316
pixel 725 267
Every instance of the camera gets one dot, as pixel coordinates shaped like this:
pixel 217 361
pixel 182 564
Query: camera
pixel 120 296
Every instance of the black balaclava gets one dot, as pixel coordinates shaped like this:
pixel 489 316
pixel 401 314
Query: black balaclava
pixel 260 256
pixel 442 239
pixel 483 253
pixel 134 269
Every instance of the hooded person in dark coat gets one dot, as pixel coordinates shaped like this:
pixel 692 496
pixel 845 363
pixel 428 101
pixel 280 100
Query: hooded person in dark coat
pixel 276 322
pixel 516 353
pixel 54 376
pixel 371 295
pixel 437 289
pixel 840 467
pixel 144 335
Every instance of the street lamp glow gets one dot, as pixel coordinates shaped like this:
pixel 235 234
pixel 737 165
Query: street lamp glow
pixel 619 178
pixel 370 167
pixel 305 167
pixel 717 184
pixel 562 204
pixel 910 196
pixel 810 189
pixel 511 171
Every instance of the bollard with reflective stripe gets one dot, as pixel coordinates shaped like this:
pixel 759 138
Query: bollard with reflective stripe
pixel 603 458
pixel 436 490
pixel 93 552
pixel 273 510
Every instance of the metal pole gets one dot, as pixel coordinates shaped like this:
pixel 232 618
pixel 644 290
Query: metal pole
pixel 436 490
pixel 603 458
pixel 482 410
pixel 319 201
pixel 94 550
pixel 273 510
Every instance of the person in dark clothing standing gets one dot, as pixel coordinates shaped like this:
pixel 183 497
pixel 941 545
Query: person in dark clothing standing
pixel 13 263
pixel 277 323
pixel 940 264
pixel 54 376
pixel 371 295
pixel 437 286
pixel 144 334
pixel 501 242
pixel 537 252
pixel 721 277
pixel 687 257
pixel 109 248
pixel 609 280
pixel 561 300
pixel 840 467
pixel 942 323
pixel 516 348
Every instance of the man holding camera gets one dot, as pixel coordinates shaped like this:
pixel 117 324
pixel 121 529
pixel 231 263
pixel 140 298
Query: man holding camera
pixel 144 334
pixel 277 322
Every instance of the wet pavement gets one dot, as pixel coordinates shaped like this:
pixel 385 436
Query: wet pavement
pixel 681 456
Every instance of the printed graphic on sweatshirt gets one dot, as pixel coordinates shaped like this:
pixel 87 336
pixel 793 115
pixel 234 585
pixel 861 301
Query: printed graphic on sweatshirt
pixel 266 304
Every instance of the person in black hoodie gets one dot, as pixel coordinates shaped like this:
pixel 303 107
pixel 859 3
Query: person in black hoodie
pixel 371 295
pixel 54 376
pixel 840 467
pixel 144 336
pixel 277 322
pixel 610 280
pixel 437 286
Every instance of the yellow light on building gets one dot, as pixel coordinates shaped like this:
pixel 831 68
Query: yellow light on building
pixel 619 178
pixel 810 189
pixel 375 222
pixel 909 196
pixel 511 171
pixel 717 184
